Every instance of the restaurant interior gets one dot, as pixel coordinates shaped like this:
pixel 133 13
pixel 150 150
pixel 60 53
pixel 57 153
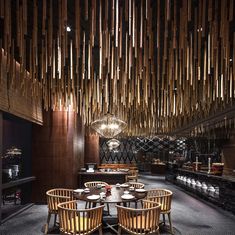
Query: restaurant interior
pixel 117 117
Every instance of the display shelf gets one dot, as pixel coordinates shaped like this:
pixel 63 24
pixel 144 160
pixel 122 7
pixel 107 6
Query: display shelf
pixel 223 195
pixel 18 182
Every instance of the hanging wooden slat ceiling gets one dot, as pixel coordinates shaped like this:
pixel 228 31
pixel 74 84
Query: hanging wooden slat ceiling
pixel 158 65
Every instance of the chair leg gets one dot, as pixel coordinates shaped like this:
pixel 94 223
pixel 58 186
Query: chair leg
pixel 164 220
pixel 100 231
pixel 119 230
pixel 136 206
pixel 15 199
pixel 55 220
pixel 47 223
pixel 108 209
pixel 169 218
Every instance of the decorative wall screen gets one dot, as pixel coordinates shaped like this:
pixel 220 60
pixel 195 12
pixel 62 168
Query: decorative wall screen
pixel 130 147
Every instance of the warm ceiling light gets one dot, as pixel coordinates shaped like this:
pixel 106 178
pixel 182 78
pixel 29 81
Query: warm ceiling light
pixel 68 29
pixel 113 143
pixel 108 126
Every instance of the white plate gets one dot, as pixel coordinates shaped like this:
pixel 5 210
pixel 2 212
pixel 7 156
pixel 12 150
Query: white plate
pixel 124 185
pixel 127 196
pixel 93 197
pixel 79 190
pixel 140 190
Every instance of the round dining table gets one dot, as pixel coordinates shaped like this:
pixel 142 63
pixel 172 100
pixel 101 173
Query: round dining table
pixel 114 196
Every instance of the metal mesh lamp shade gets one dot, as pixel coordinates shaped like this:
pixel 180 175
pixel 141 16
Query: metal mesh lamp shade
pixel 108 126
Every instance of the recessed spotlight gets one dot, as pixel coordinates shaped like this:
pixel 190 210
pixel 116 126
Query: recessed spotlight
pixel 231 60
pixel 68 29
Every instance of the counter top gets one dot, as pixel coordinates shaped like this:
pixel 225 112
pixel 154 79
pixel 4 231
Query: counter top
pixel 216 177
pixel 103 173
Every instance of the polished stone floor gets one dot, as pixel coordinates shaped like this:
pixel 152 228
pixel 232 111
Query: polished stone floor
pixel 190 216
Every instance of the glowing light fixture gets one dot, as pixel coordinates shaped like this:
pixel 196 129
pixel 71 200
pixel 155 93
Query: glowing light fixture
pixel 108 126
pixel 113 143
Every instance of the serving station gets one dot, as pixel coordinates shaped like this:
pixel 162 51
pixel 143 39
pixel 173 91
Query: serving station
pixel 219 190
pixel 111 177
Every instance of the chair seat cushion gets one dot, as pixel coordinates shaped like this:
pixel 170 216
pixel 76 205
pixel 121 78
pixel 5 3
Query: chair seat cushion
pixel 78 224
pixel 140 222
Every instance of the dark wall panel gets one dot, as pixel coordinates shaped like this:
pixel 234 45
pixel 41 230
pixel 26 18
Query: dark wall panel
pixel 18 133
pixel 1 134
pixel 57 152
pixel 92 149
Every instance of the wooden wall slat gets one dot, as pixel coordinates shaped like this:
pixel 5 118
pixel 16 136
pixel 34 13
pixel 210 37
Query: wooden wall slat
pixel 12 101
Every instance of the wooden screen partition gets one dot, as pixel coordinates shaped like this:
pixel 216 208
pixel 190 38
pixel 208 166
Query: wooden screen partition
pixel 19 97
pixel 57 152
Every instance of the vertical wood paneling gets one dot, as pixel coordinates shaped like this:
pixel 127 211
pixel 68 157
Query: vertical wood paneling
pixel 92 149
pixel 57 152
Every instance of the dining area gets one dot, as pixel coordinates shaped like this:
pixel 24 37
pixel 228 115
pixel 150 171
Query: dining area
pixel 121 209
pixel 117 117
pixel 188 214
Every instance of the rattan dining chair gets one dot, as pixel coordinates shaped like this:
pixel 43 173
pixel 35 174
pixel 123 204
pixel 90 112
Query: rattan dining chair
pixel 139 221
pixel 136 185
pixel 132 175
pixel 164 197
pixel 92 184
pixel 54 197
pixel 79 221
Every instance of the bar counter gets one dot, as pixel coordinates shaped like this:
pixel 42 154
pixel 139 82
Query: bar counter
pixel 224 195
pixel 111 177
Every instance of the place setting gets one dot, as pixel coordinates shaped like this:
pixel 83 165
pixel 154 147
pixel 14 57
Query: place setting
pixel 127 196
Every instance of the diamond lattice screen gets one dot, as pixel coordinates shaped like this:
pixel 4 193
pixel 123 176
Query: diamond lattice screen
pixel 129 148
